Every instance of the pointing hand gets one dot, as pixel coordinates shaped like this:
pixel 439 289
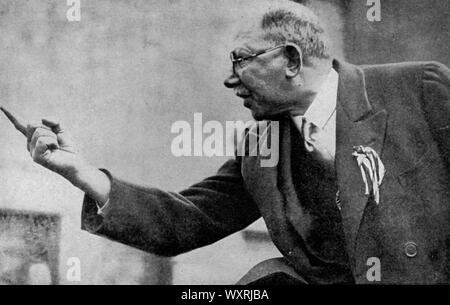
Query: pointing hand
pixel 47 144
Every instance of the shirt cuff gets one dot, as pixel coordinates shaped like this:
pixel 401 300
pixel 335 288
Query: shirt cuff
pixel 101 208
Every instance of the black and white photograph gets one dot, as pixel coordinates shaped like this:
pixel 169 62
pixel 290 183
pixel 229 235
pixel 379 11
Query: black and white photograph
pixel 225 143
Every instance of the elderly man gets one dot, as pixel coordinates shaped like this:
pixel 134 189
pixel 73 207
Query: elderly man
pixel 362 178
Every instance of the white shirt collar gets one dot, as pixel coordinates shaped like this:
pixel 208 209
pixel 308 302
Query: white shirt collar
pixel 324 105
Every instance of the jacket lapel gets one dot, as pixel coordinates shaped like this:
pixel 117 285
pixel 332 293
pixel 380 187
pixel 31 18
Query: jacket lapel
pixel 357 123
pixel 293 207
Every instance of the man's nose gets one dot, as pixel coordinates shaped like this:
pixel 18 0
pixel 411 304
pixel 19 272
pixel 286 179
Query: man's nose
pixel 231 81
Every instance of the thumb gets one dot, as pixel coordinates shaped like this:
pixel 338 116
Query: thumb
pixel 53 124
pixel 62 137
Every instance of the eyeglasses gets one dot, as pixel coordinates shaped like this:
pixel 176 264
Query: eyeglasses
pixel 242 61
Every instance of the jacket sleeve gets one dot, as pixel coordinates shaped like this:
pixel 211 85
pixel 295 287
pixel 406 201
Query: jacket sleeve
pixel 168 223
pixel 436 91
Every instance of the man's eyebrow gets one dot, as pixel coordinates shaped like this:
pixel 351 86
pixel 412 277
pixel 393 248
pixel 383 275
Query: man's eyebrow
pixel 242 51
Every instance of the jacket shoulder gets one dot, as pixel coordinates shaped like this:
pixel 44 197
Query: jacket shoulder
pixel 404 68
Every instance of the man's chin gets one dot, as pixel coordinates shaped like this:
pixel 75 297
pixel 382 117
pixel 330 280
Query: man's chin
pixel 263 116
pixel 258 116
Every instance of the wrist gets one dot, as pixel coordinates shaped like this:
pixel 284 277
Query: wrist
pixel 91 180
pixel 78 172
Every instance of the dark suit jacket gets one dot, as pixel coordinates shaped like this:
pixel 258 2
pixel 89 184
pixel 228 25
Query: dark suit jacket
pixel 400 110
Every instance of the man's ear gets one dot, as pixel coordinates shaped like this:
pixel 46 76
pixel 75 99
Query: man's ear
pixel 295 60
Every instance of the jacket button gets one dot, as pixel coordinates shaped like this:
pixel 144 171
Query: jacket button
pixel 411 249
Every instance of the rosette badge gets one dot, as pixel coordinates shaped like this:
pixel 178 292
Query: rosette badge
pixel 372 170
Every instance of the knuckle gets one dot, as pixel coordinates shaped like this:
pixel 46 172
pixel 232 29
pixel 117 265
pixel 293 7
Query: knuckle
pixel 33 154
pixel 34 135
pixel 40 133
pixel 45 141
pixel 38 146
pixel 30 130
pixel 38 159
pixel 40 141
pixel 43 131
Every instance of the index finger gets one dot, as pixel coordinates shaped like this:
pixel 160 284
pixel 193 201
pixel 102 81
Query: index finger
pixel 19 126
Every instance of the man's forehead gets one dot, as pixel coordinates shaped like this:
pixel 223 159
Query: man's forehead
pixel 250 37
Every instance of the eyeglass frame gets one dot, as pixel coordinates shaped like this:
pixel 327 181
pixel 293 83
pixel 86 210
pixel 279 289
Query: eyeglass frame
pixel 256 54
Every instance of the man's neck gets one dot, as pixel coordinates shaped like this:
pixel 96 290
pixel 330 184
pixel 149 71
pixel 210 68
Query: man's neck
pixel 306 96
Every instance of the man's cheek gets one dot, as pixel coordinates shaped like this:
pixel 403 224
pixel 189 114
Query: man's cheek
pixel 252 83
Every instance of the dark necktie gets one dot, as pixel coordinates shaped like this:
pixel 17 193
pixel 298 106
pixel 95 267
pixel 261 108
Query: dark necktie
pixel 316 142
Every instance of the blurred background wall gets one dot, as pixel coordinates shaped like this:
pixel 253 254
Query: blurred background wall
pixel 120 78
pixel 408 30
